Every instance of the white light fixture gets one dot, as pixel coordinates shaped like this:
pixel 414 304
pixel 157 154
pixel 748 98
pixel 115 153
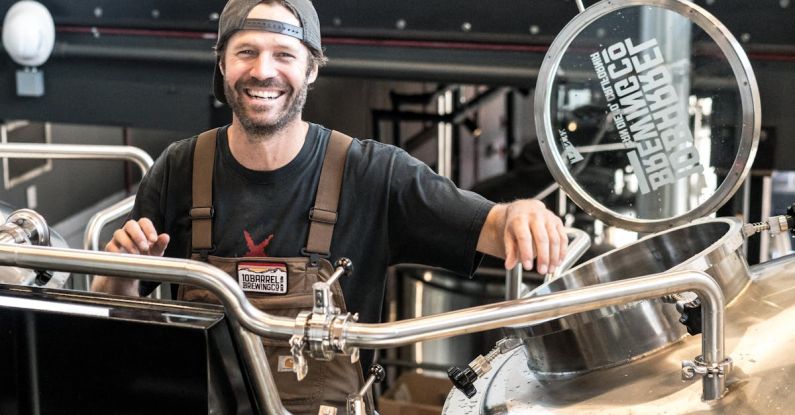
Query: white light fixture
pixel 29 37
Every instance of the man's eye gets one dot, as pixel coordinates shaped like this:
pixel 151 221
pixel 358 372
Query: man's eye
pixel 285 55
pixel 246 52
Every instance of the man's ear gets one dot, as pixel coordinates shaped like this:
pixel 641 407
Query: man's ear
pixel 313 74
pixel 221 66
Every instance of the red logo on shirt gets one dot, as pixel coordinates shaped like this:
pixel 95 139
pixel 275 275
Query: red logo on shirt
pixel 256 249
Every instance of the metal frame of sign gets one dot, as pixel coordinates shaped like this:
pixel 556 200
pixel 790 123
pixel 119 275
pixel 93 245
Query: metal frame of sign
pixel 749 95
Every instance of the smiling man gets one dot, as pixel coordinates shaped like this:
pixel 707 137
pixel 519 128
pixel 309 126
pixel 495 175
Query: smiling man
pixel 271 199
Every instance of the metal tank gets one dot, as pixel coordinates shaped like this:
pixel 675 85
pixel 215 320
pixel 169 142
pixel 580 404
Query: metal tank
pixel 682 119
pixel 41 235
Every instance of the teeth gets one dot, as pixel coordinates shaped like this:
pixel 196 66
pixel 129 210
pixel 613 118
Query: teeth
pixel 264 94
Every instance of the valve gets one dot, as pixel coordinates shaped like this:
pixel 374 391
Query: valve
pixel 464 379
pixel 356 404
pixel 691 315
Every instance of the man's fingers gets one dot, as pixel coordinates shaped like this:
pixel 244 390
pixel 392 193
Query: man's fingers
pixel 541 241
pixel 136 234
pixel 554 246
pixel 524 241
pixel 122 241
pixel 148 229
pixel 511 259
pixel 160 245
pixel 564 238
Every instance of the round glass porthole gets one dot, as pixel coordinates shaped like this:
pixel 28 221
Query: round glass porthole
pixel 647 113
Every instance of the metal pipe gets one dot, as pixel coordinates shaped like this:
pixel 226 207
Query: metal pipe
pixel 260 372
pixel 77 152
pixel 86 152
pixel 403 332
pixel 98 222
pixel 579 244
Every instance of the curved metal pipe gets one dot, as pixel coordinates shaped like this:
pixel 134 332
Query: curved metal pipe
pixel 402 332
pixel 579 244
pixel 77 152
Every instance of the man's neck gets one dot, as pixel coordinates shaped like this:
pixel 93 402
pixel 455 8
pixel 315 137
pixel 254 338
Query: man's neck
pixel 267 153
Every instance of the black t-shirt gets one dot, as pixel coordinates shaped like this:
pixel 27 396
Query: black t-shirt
pixel 392 209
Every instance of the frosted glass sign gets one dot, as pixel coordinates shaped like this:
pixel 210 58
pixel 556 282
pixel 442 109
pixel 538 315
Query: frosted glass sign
pixel 647 113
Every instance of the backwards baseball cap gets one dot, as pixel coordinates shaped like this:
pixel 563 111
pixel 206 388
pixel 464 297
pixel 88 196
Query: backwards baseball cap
pixel 234 18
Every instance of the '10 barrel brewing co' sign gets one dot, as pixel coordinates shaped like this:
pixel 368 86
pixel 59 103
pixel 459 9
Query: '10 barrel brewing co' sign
pixel 650 119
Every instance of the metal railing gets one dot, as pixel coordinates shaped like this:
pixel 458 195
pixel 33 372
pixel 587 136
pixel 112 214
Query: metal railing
pixel 394 334
pixel 86 152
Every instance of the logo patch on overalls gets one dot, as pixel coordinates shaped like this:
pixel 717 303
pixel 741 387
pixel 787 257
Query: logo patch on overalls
pixel 262 277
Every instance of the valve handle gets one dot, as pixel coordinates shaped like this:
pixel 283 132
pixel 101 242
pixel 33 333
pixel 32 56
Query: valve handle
pixel 691 317
pixel 346 264
pixel 463 380
pixel 377 373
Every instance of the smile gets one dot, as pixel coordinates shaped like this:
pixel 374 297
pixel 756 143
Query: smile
pixel 263 94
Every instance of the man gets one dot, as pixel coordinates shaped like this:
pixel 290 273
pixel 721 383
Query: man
pixel 270 196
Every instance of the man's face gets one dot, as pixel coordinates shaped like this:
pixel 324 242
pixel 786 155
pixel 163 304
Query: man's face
pixel 266 75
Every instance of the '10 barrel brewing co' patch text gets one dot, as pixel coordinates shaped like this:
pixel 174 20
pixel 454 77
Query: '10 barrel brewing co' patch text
pixel 262 277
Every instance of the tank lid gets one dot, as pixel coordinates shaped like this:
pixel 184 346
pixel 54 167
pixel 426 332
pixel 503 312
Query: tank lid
pixel 647 113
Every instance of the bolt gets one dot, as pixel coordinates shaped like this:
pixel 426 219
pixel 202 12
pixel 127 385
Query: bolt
pixel 98 12
pixel 337 21
pixel 534 29
pixel 466 26
pixel 155 13
pixel 400 24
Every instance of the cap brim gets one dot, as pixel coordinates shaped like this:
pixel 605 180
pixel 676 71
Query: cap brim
pixel 218 85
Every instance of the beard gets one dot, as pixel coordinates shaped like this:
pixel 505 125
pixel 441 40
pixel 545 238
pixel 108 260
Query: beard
pixel 247 115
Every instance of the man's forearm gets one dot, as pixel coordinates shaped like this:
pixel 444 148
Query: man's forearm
pixel 115 285
pixel 491 240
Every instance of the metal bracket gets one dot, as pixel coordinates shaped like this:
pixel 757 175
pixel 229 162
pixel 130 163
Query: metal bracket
pixel 697 366
pixel 298 344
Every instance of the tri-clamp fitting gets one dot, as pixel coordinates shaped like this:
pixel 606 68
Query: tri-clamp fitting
pixel 774 225
pixel 697 366
pixel 323 328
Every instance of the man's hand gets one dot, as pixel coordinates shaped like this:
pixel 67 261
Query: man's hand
pixel 136 237
pixel 524 230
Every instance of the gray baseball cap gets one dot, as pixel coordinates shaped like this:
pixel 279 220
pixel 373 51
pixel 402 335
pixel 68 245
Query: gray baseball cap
pixel 234 18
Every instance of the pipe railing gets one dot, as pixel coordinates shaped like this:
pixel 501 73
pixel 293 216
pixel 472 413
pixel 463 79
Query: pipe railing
pixel 398 333
pixel 77 152
pixel 86 152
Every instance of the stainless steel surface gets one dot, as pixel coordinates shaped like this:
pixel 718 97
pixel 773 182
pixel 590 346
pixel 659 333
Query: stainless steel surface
pixel 745 82
pixel 615 335
pixel 767 201
pixel 759 336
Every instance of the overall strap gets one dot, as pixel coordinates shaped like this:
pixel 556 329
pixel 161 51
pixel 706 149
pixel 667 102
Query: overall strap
pixel 323 215
pixel 202 212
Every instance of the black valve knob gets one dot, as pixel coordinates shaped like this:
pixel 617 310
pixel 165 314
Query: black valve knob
pixel 346 264
pixel 463 380
pixel 377 372
pixel 691 317
pixel 791 219
pixel 43 277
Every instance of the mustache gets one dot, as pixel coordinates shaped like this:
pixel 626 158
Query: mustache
pixel 267 83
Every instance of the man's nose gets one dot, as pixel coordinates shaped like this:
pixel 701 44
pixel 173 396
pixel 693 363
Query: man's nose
pixel 264 67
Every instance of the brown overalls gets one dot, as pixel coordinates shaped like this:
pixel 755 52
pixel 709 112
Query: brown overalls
pixel 328 383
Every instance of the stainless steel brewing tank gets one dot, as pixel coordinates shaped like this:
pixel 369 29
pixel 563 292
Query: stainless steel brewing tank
pixel 759 338
pixel 615 335
pixel 17 276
